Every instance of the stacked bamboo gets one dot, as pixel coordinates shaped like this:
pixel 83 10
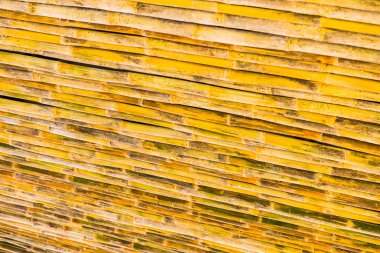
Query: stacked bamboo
pixel 207 126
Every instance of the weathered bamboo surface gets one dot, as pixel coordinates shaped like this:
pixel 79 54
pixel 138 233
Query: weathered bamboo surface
pixel 190 126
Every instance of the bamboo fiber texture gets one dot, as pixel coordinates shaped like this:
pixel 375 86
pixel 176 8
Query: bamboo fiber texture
pixel 189 126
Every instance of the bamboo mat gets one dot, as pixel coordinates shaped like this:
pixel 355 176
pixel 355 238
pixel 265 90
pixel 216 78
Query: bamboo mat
pixel 181 126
